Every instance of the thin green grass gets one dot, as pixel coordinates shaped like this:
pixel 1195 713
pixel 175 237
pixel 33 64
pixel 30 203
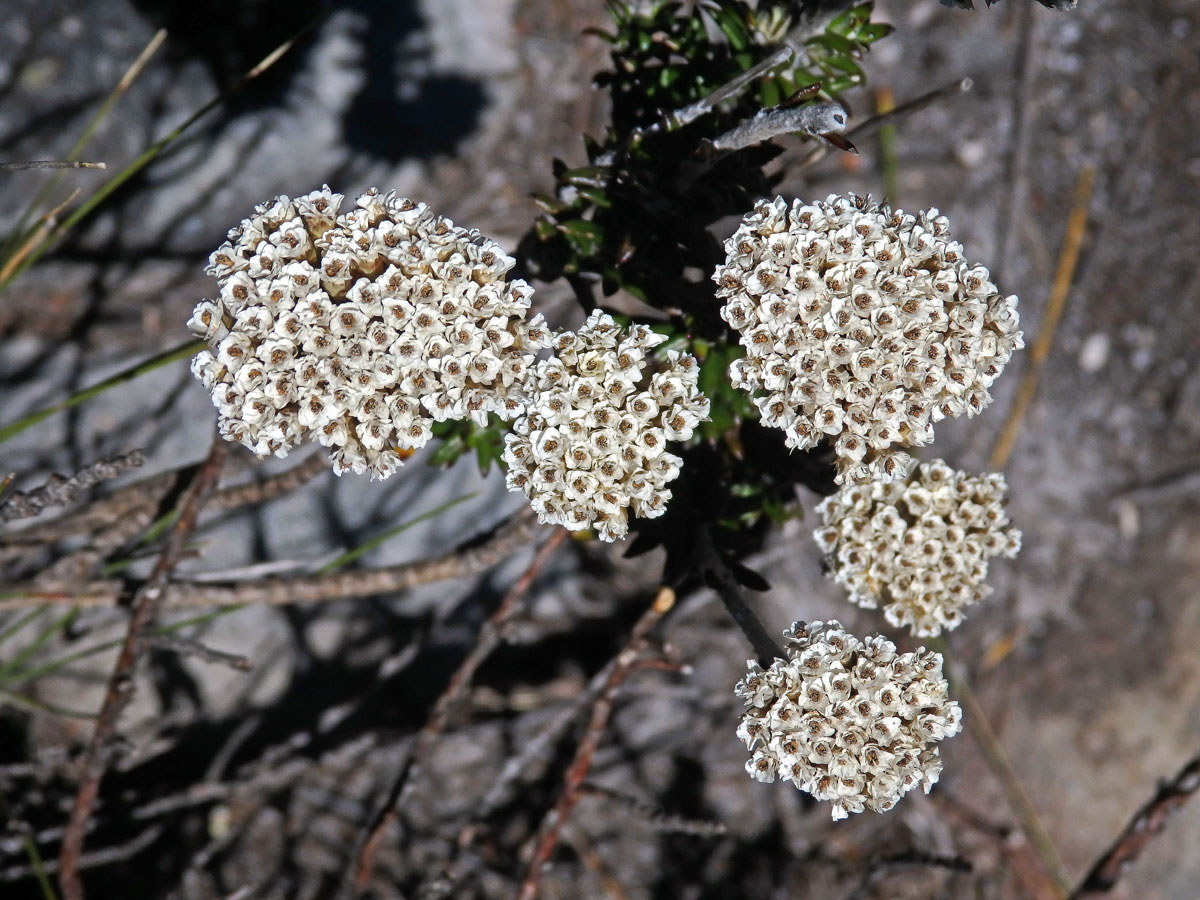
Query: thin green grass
pixel 350 555
pixel 174 354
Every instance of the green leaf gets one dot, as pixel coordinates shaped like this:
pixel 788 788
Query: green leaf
pixel 596 196
pixel 847 65
pixel 733 26
pixel 584 235
pixel 586 176
pixel 833 42
pixel 873 31
pixel 166 357
pixel 449 451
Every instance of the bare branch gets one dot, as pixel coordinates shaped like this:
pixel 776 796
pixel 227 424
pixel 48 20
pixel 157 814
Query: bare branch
pixel 60 491
pixel 628 661
pixel 474 557
pixel 490 638
pixel 120 687
pixel 1147 823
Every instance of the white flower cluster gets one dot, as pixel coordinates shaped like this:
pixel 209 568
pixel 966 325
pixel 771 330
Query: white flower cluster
pixel 920 550
pixel 850 721
pixel 861 325
pixel 360 329
pixel 592 442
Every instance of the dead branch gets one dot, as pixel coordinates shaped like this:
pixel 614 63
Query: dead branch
pixel 655 818
pixel 149 493
pixel 628 661
pixel 270 488
pixel 120 687
pixel 105 857
pixel 490 637
pixel 188 647
pixel 1147 823
pixel 63 491
pixel 476 556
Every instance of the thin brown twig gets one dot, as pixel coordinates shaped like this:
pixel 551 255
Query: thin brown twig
pixel 655 818
pixel 269 488
pixel 188 647
pixel 1146 824
pixel 146 604
pixel 1022 117
pixel 100 513
pixel 477 556
pixel 92 859
pixel 59 490
pixel 147 494
pixel 1060 289
pixel 46 225
pixel 595 863
pixel 490 637
pixel 52 164
pixel 628 661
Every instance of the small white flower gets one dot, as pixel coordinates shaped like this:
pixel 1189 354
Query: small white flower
pixel 366 325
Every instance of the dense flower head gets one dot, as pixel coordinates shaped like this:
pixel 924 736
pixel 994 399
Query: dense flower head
pixel 861 325
pixel 592 443
pixel 918 549
pixel 360 329
pixel 847 720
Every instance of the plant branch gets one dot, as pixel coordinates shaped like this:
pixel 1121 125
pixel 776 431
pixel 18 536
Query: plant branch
pixel 1059 291
pixel 993 752
pixel 489 639
pixel 146 604
pixel 1145 825
pixel 717 575
pixel 628 661
pixel 476 556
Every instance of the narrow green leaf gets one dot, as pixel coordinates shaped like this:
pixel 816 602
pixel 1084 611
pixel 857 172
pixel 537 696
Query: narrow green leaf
pixel 450 450
pixel 21 623
pixel 165 358
pixel 873 31
pixel 54 629
pixel 350 555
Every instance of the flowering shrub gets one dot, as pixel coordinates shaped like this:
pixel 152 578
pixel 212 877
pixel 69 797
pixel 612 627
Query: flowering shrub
pixel 861 325
pixel 847 720
pixel 918 549
pixel 845 328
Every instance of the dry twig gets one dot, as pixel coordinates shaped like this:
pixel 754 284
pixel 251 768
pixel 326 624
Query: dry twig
pixel 476 556
pixel 60 491
pixel 1146 824
pixel 120 686
pixel 1059 291
pixel 628 661
pixel 490 638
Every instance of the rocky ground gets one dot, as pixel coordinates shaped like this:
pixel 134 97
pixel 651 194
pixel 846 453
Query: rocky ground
pixel 1085 661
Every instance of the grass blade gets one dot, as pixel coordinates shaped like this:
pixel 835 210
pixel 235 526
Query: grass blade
pixel 145 158
pixel 350 555
pixel 174 354
pixel 18 235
